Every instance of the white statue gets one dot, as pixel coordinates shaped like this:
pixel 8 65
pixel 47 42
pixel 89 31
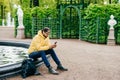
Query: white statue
pixel 111 39
pixel 3 22
pixel 12 22
pixel 8 19
pixel 112 22
pixel 20 29
pixel 20 16
pixel 118 1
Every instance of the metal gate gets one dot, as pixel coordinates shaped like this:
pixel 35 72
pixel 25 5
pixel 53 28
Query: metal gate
pixel 70 24
pixel 70 20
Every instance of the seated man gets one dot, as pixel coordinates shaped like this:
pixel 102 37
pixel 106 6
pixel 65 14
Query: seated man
pixel 40 46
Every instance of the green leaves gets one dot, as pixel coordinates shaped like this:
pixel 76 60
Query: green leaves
pixel 43 12
pixel 100 29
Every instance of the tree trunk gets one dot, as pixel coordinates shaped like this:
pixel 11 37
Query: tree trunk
pixel 110 1
pixel 35 3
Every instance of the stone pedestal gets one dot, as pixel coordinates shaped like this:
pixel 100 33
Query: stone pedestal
pixel 111 38
pixel 20 33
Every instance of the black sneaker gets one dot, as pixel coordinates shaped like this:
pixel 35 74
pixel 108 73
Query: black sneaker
pixel 62 68
pixel 52 71
pixel 37 73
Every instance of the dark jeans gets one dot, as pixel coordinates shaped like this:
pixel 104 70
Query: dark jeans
pixel 37 54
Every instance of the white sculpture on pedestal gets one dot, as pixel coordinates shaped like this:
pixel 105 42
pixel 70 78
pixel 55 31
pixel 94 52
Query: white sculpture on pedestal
pixel 20 16
pixel 20 29
pixel 13 24
pixel 118 1
pixel 112 22
pixel 3 22
pixel 8 19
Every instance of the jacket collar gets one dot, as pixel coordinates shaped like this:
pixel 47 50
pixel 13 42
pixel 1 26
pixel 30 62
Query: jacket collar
pixel 40 34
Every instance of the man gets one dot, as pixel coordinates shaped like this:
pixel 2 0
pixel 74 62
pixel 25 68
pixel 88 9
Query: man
pixel 40 46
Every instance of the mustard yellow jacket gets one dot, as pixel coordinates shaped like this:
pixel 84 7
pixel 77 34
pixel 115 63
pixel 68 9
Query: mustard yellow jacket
pixel 39 43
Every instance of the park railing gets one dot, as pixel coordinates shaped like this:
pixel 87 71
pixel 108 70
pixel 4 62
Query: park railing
pixel 92 30
pixel 53 24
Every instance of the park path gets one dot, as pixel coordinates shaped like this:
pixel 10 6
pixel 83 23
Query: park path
pixel 85 61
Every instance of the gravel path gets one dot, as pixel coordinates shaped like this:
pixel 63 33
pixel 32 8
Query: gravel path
pixel 85 61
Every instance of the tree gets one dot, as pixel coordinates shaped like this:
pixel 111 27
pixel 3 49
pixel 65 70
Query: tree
pixel 110 2
pixel 35 3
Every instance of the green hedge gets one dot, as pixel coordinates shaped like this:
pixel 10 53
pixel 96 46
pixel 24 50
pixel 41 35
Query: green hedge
pixel 103 12
pixel 37 12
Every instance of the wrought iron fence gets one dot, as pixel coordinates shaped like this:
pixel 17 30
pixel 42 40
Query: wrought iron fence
pixel 53 24
pixel 95 30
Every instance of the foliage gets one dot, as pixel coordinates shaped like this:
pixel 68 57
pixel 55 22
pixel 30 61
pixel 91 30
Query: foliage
pixel 43 12
pixel 28 22
pixel 39 12
pixel 94 23
pixel 94 11
pixel 25 4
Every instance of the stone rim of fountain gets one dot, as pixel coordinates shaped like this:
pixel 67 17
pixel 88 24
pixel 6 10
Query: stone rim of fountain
pixel 15 68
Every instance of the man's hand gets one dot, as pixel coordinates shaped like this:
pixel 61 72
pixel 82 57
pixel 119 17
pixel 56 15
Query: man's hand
pixel 53 46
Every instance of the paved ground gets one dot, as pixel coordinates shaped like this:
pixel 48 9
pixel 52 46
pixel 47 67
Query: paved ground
pixel 85 61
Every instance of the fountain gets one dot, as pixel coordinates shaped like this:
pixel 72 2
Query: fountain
pixel 13 66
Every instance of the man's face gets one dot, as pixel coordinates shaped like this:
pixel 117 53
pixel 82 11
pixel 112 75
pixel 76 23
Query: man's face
pixel 46 34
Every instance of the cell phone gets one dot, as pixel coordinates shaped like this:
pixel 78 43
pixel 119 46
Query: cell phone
pixel 55 42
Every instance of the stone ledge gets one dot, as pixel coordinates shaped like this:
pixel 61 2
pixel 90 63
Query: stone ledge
pixel 6 32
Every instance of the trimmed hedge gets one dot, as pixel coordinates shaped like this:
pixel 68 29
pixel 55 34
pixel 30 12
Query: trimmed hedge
pixel 98 16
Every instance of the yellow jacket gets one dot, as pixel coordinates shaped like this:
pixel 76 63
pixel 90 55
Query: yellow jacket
pixel 39 43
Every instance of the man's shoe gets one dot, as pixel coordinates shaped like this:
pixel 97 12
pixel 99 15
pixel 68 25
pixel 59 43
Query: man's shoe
pixel 37 73
pixel 60 67
pixel 52 71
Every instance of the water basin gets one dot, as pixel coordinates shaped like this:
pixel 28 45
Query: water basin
pixel 11 55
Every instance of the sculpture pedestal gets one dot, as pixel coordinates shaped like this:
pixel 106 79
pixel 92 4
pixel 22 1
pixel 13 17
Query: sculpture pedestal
pixel 20 33
pixel 111 38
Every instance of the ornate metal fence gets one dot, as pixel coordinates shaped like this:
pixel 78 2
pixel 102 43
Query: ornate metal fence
pixel 95 30
pixel 53 24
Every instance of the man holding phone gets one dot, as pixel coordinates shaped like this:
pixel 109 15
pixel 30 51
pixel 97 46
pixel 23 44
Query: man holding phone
pixel 40 46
